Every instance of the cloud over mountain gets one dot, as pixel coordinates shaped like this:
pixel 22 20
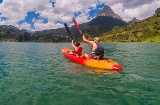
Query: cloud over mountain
pixel 50 14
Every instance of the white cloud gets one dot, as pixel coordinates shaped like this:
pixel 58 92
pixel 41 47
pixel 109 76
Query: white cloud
pixel 119 9
pixel 39 25
pixel 14 10
pixel 63 10
pixel 24 26
pixel 140 12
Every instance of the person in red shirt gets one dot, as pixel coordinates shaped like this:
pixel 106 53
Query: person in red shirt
pixel 77 48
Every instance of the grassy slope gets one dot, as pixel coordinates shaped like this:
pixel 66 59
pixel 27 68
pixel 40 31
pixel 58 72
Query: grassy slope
pixel 144 31
pixel 154 39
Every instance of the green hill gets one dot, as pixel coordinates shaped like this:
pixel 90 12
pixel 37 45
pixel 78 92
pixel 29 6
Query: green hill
pixel 97 26
pixel 9 33
pixel 147 30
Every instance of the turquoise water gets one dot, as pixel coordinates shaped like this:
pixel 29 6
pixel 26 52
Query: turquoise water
pixel 38 74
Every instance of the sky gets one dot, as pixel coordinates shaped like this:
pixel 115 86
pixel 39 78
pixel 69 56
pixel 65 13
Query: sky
pixel 39 15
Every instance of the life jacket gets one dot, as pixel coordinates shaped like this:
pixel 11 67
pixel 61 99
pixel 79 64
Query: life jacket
pixel 79 50
pixel 99 50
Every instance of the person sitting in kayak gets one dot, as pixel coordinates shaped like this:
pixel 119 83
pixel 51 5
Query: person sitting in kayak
pixel 77 49
pixel 97 50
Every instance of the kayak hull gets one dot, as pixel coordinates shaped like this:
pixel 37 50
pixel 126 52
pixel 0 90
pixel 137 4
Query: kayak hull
pixel 102 64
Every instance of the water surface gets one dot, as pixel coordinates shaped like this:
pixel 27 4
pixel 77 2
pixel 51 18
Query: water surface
pixel 38 74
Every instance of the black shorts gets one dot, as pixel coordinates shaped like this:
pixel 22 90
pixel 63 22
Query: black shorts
pixel 93 55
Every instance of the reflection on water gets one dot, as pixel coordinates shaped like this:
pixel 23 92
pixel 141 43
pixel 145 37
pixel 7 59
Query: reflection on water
pixel 76 68
pixel 98 71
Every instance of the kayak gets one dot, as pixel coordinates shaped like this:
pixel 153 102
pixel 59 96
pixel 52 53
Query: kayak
pixel 102 64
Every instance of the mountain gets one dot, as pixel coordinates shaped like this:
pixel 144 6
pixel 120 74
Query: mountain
pixel 147 30
pixel 97 26
pixel 101 24
pixel 133 20
pixel 107 11
pixel 105 21
pixel 9 33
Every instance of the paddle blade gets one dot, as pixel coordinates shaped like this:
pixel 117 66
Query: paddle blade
pixel 75 23
pixel 67 28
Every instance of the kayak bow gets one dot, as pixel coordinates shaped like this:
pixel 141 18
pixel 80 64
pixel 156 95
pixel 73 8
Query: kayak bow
pixel 103 64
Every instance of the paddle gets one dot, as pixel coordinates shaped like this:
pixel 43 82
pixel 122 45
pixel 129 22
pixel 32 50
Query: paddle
pixel 77 26
pixel 68 30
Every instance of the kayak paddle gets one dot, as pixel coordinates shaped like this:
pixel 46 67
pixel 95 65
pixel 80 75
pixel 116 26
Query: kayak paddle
pixel 77 26
pixel 68 29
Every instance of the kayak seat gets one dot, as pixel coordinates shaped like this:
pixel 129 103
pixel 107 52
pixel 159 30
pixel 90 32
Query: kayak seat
pixel 99 57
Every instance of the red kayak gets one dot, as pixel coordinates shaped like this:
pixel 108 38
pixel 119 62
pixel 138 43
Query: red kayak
pixel 102 64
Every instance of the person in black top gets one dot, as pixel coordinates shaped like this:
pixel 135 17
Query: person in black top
pixel 97 49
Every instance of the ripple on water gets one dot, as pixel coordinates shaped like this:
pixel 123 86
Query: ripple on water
pixel 37 73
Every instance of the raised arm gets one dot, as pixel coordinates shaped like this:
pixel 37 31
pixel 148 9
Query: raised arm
pixel 87 41
pixel 73 44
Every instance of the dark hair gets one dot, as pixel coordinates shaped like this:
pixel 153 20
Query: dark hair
pixel 77 44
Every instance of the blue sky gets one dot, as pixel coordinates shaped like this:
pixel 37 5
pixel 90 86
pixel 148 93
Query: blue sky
pixel 51 14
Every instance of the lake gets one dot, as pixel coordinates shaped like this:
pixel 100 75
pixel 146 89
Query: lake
pixel 39 74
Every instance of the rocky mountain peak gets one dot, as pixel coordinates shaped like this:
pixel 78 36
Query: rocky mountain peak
pixel 133 20
pixel 107 11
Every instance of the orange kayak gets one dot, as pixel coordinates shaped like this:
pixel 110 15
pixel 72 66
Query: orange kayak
pixel 102 64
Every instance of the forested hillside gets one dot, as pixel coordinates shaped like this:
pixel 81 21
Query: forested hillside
pixel 105 21
pixel 9 33
pixel 147 30
pixel 97 26
pixel 13 34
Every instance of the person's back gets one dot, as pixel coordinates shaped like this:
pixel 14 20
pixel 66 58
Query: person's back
pixel 97 48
